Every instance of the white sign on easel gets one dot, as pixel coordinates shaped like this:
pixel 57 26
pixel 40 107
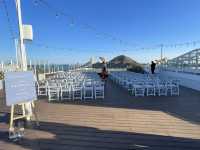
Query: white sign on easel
pixel 20 87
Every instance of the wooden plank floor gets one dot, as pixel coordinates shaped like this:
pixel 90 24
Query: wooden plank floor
pixel 119 122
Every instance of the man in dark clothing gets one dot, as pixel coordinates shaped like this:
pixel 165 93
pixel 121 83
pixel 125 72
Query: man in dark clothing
pixel 104 73
pixel 153 66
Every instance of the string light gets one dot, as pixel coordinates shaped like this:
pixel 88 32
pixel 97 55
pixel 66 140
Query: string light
pixel 124 50
pixel 83 26
pixel 12 33
pixel 57 15
pixel 35 2
pixel 71 24
pixel 106 35
pixel 89 27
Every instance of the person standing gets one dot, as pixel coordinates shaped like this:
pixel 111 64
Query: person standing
pixel 153 67
pixel 104 73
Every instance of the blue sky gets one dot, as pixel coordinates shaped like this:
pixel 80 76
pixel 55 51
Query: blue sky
pixel 115 27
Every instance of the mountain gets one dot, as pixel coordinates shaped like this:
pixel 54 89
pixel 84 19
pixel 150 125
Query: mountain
pixel 122 61
pixel 87 64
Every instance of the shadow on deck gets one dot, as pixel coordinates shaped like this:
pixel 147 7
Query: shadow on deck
pixel 56 136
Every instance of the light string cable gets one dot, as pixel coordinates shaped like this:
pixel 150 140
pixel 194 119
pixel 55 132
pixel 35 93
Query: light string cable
pixel 84 26
pixel 89 27
pixel 10 27
pixel 173 45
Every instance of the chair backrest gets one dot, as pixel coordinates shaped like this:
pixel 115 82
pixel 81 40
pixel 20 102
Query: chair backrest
pixel 176 82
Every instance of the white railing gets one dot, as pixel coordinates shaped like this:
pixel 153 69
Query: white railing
pixel 186 79
pixel 189 70
pixel 1 84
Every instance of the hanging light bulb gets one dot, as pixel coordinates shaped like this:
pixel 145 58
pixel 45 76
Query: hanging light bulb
pixel 71 23
pixel 35 2
pixel 57 15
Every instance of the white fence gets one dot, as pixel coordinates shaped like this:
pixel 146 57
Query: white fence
pixel 188 80
pixel 1 84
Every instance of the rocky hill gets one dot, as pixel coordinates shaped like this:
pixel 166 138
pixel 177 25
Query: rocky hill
pixel 122 61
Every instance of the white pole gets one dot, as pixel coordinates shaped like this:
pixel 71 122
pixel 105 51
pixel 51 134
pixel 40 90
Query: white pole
pixel 48 67
pixel 16 48
pixel 11 64
pixel 39 65
pixel 53 68
pixel 35 68
pixel 161 53
pixel 22 50
pixel 161 56
pixel 44 67
pixel 30 64
pixel 2 65
pixel 21 37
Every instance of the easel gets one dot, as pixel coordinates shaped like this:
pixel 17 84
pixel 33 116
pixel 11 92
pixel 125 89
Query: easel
pixel 13 134
pixel 22 62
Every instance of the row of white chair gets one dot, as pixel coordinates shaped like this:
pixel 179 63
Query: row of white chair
pixel 79 86
pixel 142 84
pixel 76 91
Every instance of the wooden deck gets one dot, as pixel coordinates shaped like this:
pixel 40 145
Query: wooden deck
pixel 119 122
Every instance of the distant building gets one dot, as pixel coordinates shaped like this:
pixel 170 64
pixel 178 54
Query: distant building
pixel 92 60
